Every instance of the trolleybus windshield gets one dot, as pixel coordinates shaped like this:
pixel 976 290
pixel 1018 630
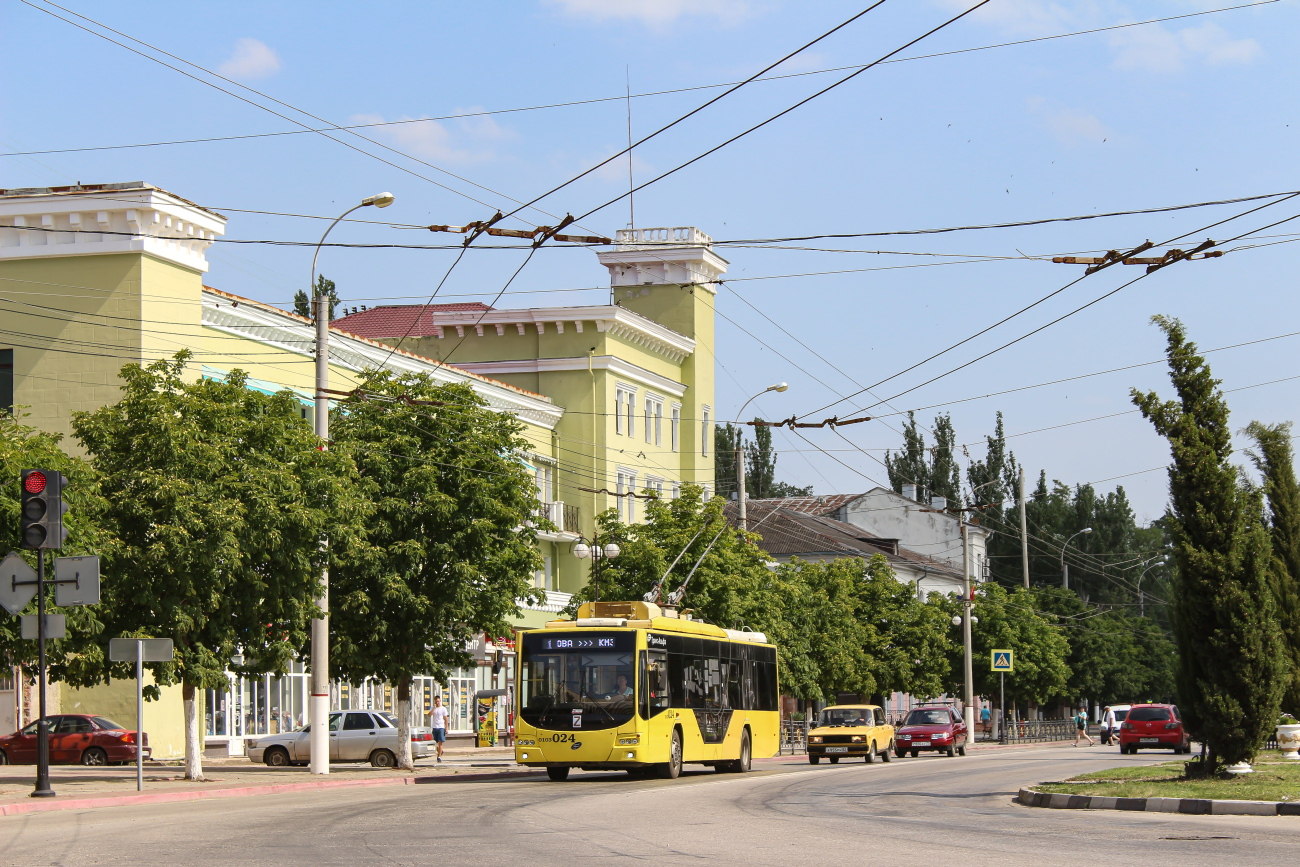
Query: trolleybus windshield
pixel 572 681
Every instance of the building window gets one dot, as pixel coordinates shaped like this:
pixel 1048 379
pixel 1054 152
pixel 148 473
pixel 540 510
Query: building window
pixel 676 427
pixel 704 431
pixel 619 397
pixel 542 577
pixel 7 380
pixel 631 414
pixel 544 479
pixel 626 502
pixel 655 485
pixel 624 409
pixel 677 490
pixel 654 417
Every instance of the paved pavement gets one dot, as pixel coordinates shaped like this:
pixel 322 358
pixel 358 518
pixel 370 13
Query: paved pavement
pixel 929 810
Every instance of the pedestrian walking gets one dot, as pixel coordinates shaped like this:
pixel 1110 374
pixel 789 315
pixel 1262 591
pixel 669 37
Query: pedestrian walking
pixel 439 723
pixel 1081 727
pixel 985 717
pixel 1109 726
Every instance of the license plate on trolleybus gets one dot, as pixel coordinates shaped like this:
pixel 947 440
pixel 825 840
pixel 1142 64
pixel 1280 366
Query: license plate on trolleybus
pixel 837 749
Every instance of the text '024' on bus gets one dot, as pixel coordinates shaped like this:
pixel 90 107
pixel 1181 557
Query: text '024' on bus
pixel 630 686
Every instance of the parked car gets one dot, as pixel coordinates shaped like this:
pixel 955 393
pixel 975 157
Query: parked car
pixel 74 738
pixel 1121 712
pixel 851 730
pixel 355 736
pixel 937 729
pixel 1153 726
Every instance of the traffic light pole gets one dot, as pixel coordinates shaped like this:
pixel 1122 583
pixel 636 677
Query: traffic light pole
pixel 43 789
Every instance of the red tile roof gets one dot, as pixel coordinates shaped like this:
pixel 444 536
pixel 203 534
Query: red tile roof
pixel 395 320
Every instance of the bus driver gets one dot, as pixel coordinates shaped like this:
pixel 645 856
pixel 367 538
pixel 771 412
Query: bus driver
pixel 621 687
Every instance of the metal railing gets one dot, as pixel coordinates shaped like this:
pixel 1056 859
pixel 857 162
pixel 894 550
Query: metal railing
pixel 794 737
pixel 563 515
pixel 1024 731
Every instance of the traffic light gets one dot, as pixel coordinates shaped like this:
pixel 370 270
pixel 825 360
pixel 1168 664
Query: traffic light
pixel 41 522
pixel 498 660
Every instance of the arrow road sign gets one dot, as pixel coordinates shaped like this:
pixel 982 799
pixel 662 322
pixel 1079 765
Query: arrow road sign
pixel 78 581
pixel 15 592
pixel 153 649
pixel 1004 660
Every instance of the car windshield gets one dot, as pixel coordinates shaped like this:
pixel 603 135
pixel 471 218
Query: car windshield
pixel 1148 714
pixel 573 681
pixel 105 723
pixel 846 716
pixel 1121 715
pixel 928 718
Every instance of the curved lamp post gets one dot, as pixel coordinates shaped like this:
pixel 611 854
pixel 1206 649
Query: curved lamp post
pixel 318 709
pixel 1142 599
pixel 582 551
pixel 1065 569
pixel 740 452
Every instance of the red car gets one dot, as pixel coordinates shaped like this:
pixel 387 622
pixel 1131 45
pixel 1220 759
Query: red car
pixel 83 738
pixel 938 729
pixel 1153 726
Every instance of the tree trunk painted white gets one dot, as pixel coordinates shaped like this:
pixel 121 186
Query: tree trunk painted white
pixel 404 759
pixel 193 754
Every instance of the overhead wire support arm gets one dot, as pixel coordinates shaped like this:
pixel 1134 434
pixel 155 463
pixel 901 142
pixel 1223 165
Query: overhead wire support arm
pixel 1171 256
pixel 538 236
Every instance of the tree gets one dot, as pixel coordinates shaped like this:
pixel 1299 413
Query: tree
pixel 449 552
pixel 1231 658
pixel 216 498
pixel 1275 463
pixel 908 643
pixel 933 470
pixel 760 465
pixel 909 466
pixel 726 440
pixel 302 305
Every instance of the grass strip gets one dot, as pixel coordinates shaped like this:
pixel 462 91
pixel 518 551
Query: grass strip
pixel 1273 780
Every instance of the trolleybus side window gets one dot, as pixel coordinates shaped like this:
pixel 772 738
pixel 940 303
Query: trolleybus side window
pixel 655 694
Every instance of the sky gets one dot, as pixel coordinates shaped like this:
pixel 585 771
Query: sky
pixel 1202 108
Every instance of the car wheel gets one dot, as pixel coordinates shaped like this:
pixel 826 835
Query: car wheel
pixel 915 753
pixel 94 757
pixel 276 757
pixel 949 751
pixel 4 759
pixel 672 768
pixel 812 760
pixel 383 759
pixel 871 754
pixel 559 775
pixel 888 753
pixel 961 750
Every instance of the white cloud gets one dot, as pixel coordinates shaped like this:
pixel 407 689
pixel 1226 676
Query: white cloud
pixel 656 13
pixel 464 141
pixel 1076 127
pixel 1155 49
pixel 252 59
pixel 1019 17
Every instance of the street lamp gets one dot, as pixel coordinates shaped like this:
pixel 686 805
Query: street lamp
pixel 740 456
pixel 968 591
pixel 318 710
pixel 1142 600
pixel 1065 569
pixel 582 551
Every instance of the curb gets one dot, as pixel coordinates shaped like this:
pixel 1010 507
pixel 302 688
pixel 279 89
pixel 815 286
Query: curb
pixel 1187 806
pixel 239 792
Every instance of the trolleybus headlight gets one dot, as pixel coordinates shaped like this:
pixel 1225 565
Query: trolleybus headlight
pixel 629 742
pixel 524 756
pixel 631 755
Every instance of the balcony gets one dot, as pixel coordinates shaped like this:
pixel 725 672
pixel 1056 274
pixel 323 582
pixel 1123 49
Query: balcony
pixel 565 519
pixel 664 235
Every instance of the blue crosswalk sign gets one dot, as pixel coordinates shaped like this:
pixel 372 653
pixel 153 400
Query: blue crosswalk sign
pixel 1003 660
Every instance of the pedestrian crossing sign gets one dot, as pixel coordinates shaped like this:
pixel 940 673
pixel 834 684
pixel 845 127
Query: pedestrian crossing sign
pixel 1004 660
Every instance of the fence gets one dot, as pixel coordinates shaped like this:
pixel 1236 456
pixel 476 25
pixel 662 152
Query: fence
pixel 794 737
pixel 1025 731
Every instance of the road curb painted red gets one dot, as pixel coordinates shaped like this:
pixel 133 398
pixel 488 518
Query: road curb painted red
pixel 45 806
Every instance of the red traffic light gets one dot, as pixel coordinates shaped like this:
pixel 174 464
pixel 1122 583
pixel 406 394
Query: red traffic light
pixel 35 482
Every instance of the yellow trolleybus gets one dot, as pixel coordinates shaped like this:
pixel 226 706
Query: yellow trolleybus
pixel 630 686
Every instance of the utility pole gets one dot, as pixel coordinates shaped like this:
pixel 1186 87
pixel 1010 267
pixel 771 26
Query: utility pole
pixel 1024 530
pixel 741 520
pixel 968 714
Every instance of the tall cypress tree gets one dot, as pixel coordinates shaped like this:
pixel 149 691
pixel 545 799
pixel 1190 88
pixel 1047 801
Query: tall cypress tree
pixel 1275 464
pixel 1231 658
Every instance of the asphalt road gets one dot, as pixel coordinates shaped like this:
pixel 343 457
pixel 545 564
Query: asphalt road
pixel 928 810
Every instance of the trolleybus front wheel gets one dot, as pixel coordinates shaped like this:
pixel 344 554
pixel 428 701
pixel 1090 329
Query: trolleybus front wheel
pixel 670 769
pixel 559 775
pixel 742 764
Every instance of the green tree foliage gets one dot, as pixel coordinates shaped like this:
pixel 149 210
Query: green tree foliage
pixel 1010 620
pixel 447 554
pixel 1275 463
pixel 908 644
pixel 215 498
pixel 934 469
pixel 1232 661
pixel 726 440
pixel 760 465
pixel 77 658
pixel 324 286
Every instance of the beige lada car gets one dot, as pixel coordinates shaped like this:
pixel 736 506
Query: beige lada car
pixel 857 730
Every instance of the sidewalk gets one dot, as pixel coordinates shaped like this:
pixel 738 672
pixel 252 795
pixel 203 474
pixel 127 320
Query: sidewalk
pixel 79 787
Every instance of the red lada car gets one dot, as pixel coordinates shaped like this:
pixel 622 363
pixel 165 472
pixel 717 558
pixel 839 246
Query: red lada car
pixel 933 729
pixel 74 738
pixel 1153 726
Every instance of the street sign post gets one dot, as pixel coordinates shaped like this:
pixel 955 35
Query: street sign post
pixel 1002 661
pixel 139 651
pixel 17 583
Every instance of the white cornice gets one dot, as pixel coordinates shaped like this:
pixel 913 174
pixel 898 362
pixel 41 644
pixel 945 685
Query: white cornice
pixel 611 318
pixel 270 327
pixel 613 364
pixel 126 219
pixel 676 254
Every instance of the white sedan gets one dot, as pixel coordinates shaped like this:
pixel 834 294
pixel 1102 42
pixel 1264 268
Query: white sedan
pixel 355 736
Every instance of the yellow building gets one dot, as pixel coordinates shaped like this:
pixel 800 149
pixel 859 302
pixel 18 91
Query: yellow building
pixel 616 399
